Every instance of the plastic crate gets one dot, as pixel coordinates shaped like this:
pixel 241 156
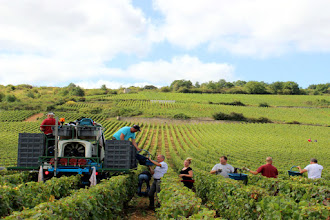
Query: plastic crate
pixel 63 130
pixel 30 148
pixel 119 155
pixel 88 131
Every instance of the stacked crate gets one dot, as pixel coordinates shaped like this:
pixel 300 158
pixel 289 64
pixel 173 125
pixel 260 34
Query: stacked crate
pixel 30 148
pixel 119 155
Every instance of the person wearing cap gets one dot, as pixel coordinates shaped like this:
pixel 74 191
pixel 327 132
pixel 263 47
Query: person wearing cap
pixel 314 169
pixel 126 133
pixel 46 125
pixel 267 170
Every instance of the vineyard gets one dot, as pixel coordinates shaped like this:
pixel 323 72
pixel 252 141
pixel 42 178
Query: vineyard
pixel 245 144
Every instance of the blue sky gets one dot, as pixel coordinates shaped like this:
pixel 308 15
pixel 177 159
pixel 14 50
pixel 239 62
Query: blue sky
pixel 140 42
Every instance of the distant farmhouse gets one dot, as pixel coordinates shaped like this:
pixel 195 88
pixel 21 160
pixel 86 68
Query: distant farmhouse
pixel 127 90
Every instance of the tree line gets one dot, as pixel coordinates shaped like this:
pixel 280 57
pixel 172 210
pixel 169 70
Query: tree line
pixel 243 87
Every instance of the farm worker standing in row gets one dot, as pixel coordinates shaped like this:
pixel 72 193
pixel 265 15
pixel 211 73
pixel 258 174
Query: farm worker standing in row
pixel 314 169
pixel 126 133
pixel 267 170
pixel 186 174
pixel 157 174
pixel 223 168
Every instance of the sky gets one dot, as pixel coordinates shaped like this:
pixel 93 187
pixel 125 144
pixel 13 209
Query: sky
pixel 123 43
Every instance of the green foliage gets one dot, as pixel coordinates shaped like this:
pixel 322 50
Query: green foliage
pixel 254 87
pixel 15 179
pixel 30 94
pixel 149 87
pixel 181 116
pixel 103 201
pixel 276 87
pixel 291 88
pixel 88 110
pixel 11 116
pixel 234 103
pixel 264 104
pixel 165 89
pixel 2 96
pixel 286 208
pixel 10 98
pixel 31 194
pixel 182 85
pixel 259 120
pixel 125 112
pixel 233 116
pixel 178 202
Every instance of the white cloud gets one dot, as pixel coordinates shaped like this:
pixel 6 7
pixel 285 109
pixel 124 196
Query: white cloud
pixel 69 28
pixel 258 27
pixel 38 70
pixel 162 73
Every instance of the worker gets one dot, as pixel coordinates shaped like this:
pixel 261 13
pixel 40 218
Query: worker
pixel 267 170
pixel 186 174
pixel 222 168
pixel 126 133
pixel 145 176
pixel 314 169
pixel 157 174
pixel 46 125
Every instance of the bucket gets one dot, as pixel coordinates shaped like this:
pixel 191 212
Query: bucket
pixel 294 173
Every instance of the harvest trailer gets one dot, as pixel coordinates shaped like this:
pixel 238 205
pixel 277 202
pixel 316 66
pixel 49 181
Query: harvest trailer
pixel 75 148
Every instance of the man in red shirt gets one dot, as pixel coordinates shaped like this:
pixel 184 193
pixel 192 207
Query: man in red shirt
pixel 267 170
pixel 46 125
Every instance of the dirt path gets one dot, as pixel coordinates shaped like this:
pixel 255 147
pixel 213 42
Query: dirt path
pixel 34 117
pixel 138 209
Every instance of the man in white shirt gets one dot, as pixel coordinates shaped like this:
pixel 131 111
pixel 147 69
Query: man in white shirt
pixel 314 169
pixel 222 168
pixel 157 174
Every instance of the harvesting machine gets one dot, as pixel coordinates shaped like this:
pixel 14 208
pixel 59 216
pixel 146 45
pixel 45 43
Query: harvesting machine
pixel 75 148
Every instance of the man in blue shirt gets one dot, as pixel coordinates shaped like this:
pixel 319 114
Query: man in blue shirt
pixel 126 133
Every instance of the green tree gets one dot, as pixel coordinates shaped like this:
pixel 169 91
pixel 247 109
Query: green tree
pixel 30 94
pixel 10 98
pixel 276 87
pixel 77 91
pixel 2 96
pixel 221 84
pixel 290 88
pixel 229 85
pixel 313 86
pixel 254 87
pixel 323 88
pixel 104 87
pixel 149 87
pixel 165 89
pixel 239 83
pixel 177 84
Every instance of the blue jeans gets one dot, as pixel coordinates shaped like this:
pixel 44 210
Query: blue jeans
pixel 142 178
